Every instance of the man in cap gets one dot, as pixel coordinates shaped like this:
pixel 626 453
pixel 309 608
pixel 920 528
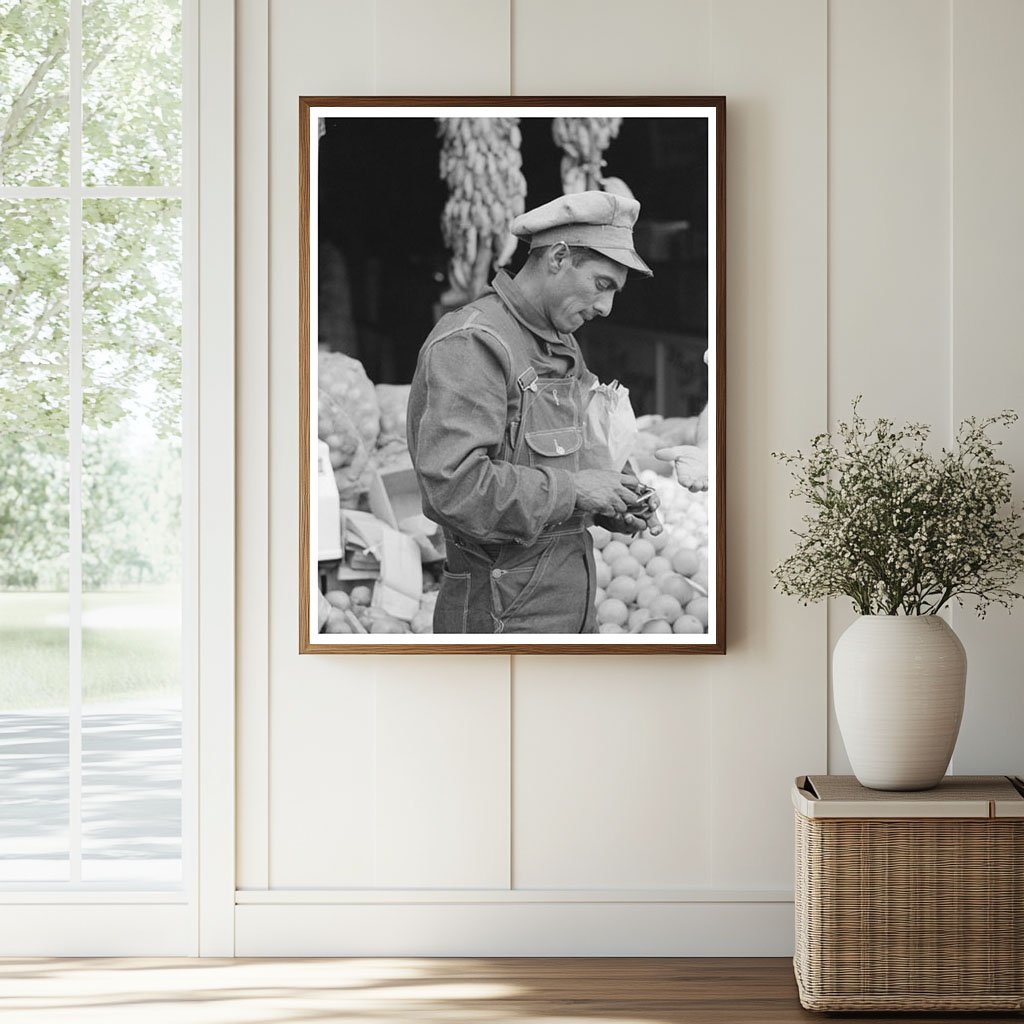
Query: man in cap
pixel 496 428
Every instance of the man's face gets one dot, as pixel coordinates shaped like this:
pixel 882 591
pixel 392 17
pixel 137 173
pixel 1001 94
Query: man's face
pixel 575 294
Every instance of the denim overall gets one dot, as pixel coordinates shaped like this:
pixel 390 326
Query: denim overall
pixel 547 586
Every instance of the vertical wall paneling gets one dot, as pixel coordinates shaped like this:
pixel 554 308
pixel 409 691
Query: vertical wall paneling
pixel 321 708
pixel 611 774
pixel 442 48
pixel 611 757
pixel 581 47
pixel 217 614
pixel 442 771
pixel 323 761
pixel 889 203
pixel 442 776
pixel 769 693
pixel 987 371
pixel 666 777
pixel 253 581
pixel 888 224
pixel 324 734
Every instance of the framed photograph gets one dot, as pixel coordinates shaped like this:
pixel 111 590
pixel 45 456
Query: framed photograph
pixel 512 375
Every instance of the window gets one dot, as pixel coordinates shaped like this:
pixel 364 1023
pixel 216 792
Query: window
pixel 96 463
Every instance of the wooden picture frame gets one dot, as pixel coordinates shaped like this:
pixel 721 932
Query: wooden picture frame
pixel 369 269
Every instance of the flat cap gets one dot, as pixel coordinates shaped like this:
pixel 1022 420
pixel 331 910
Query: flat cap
pixel 598 220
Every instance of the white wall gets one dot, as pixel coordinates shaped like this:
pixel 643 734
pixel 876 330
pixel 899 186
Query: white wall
pixel 556 805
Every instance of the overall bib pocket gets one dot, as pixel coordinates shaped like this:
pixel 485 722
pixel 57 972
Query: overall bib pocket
pixel 555 448
pixel 551 431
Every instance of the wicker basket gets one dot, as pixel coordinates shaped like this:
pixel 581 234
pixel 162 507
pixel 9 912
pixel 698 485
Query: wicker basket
pixel 910 901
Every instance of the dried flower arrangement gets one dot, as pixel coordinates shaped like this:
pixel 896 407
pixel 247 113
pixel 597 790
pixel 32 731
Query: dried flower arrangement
pixel 899 530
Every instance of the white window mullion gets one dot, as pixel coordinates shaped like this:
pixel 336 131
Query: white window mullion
pixel 134 192
pixel 75 300
pixel 34 192
pixel 165 910
pixel 95 191
pixel 190 454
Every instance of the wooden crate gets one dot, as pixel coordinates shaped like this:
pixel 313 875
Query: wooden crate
pixel 910 901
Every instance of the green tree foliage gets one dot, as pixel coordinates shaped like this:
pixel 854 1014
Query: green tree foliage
pixel 131 92
pixel 33 392
pixel 132 313
pixel 131 308
pixel 33 514
pixel 33 92
pixel 34 320
pixel 131 509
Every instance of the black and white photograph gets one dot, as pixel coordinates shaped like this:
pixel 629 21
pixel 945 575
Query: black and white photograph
pixel 512 384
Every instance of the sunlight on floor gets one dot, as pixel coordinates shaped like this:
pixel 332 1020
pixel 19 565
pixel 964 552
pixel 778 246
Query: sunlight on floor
pixel 214 991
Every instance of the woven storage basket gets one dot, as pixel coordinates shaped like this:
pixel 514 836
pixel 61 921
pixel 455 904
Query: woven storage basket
pixel 910 901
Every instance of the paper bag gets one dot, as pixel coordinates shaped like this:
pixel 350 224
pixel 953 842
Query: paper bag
pixel 610 425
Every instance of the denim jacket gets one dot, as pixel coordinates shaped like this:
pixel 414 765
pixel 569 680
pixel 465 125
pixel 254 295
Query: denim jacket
pixel 495 419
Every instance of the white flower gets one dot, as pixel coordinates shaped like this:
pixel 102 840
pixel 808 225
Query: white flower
pixel 897 529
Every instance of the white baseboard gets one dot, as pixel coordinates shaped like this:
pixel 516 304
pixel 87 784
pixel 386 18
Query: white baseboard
pixel 99 928
pixel 503 928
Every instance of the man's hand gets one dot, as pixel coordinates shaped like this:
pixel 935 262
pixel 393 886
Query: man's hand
pixel 641 514
pixel 604 492
pixel 649 517
pixel 632 523
pixel 690 463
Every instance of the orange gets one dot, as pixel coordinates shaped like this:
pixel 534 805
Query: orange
pixel 687 624
pixel 698 608
pixel 686 561
pixel 676 586
pixel 627 565
pixel 666 607
pixel 612 611
pixel 642 550
pixel 623 588
pixel 613 550
pixel 637 618
pixel 656 626
pixel 657 566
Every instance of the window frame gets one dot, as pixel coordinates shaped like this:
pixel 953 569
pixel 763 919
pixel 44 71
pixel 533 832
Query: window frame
pixel 69 918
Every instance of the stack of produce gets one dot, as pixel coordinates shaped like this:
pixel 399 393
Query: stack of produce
pixel 661 432
pixel 349 611
pixel 393 400
pixel 364 427
pixel 348 419
pixel 645 584
pixel 482 167
pixel 656 584
pixel 363 424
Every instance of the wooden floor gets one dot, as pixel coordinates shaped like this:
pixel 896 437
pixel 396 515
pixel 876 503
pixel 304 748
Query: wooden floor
pixel 413 991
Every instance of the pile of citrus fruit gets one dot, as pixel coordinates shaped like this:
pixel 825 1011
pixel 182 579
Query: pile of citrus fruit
pixel 656 584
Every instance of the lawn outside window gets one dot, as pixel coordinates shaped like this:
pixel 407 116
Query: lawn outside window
pixel 96 458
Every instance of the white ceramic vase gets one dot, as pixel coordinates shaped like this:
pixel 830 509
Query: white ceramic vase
pixel 898 685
